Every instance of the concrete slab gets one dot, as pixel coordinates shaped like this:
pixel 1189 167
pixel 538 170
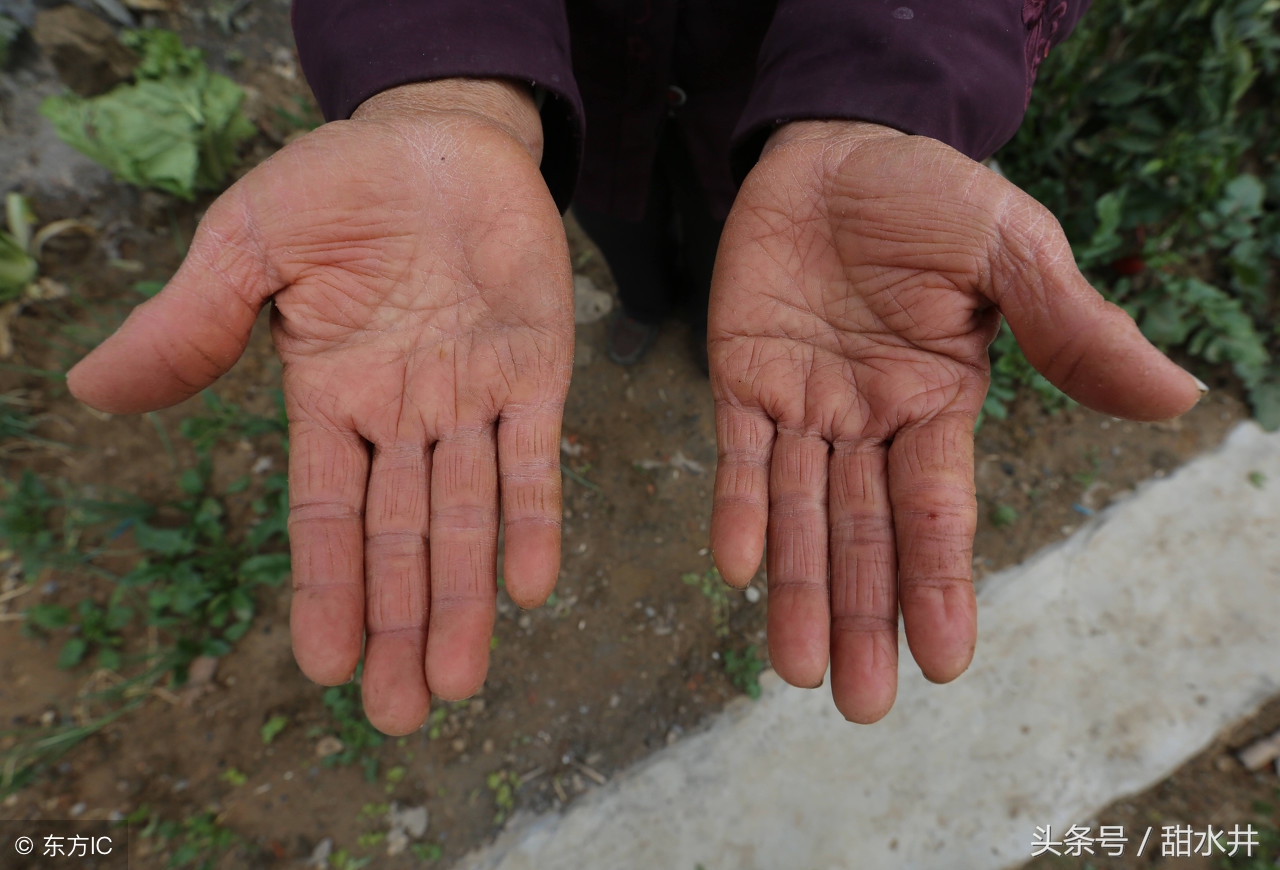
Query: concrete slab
pixel 1102 665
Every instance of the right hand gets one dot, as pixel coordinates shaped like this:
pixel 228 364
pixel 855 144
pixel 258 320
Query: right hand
pixel 423 315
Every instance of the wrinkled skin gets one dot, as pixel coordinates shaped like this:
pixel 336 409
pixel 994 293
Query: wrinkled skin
pixel 423 313
pixel 422 308
pixel 861 277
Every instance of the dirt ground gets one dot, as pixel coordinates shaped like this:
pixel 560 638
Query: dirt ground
pixel 626 660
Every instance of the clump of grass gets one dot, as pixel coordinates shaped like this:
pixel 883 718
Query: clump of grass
pixel 502 784
pixel 197 842
pixel 744 669
pixel 712 587
pixel 171 570
pixel 351 726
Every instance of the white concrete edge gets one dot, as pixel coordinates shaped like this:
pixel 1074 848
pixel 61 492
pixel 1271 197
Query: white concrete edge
pixel 1153 688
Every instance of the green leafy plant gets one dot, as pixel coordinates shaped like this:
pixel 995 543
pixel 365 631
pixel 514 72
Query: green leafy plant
pixel 427 852
pixel 712 587
pixel 176 128
pixel 1010 372
pixel 30 749
pixel 344 860
pixel 744 669
pixel 1003 516
pixel 272 727
pixel 196 842
pixel 502 784
pixel 183 574
pixel 351 726
pixel 1148 136
pixel 20 248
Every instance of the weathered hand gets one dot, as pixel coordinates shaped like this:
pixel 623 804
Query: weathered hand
pixel 423 313
pixel 860 279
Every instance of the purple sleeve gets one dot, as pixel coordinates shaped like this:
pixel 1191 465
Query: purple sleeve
pixel 353 49
pixel 955 70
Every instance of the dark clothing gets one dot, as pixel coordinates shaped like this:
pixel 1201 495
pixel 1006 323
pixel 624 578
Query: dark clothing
pixel 956 70
pixel 664 260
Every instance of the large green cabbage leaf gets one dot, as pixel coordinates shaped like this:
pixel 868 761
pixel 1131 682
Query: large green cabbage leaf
pixel 176 128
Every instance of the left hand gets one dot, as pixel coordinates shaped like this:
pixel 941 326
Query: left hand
pixel 861 277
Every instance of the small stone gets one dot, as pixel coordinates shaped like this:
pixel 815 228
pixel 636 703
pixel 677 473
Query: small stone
pixel 752 594
pixel 397 842
pixel 459 744
pixel 320 854
pixel 487 747
pixel 412 820
pixel 328 745
pixel 589 303
pixel 78 809
pixel 476 707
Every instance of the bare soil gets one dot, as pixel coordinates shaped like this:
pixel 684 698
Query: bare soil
pixel 627 658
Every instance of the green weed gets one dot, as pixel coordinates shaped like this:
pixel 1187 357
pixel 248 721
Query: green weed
pixel 744 669
pixel 351 726
pixel 427 852
pixel 172 569
pixel 272 727
pixel 303 117
pixel 713 588
pixel 344 860
pixel 18 424
pixel 502 784
pixel 196 842
pixel 1003 516
pixel 394 777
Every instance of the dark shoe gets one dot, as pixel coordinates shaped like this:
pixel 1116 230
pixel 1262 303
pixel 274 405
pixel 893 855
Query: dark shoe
pixel 629 340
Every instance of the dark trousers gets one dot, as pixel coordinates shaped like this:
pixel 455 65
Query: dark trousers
pixel 664 260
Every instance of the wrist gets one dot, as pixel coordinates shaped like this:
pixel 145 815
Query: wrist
pixel 827 131
pixel 505 103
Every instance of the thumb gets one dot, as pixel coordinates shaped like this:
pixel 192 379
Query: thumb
pixel 176 344
pixel 1087 347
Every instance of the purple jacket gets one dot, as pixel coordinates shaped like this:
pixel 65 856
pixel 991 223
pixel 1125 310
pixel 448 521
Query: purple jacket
pixel 956 70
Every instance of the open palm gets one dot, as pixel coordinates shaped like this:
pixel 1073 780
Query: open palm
pixel 423 315
pixel 861 277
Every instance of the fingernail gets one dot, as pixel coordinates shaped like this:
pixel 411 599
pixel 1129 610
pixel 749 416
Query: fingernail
pixel 1200 385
